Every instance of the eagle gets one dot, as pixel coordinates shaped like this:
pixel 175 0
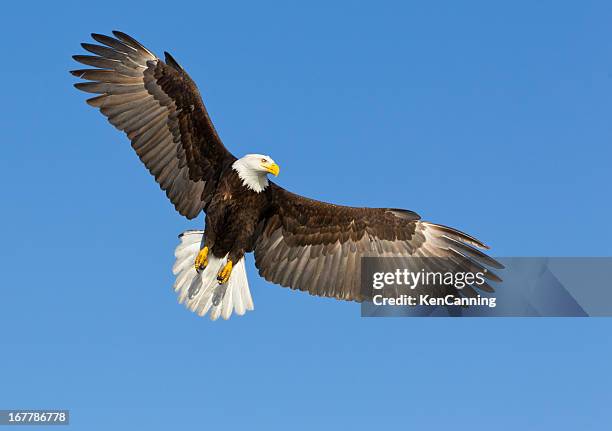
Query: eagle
pixel 300 243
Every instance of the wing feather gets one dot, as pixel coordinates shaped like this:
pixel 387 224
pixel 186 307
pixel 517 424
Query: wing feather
pixel 160 109
pixel 317 247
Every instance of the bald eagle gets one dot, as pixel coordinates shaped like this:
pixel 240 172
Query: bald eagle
pixel 298 242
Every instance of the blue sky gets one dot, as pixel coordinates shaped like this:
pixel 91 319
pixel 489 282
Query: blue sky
pixel 493 118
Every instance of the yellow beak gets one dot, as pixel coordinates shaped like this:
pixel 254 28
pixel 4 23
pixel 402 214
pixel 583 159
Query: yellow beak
pixel 271 168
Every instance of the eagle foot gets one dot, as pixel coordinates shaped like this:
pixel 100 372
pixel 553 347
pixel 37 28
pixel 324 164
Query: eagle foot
pixel 201 260
pixel 224 275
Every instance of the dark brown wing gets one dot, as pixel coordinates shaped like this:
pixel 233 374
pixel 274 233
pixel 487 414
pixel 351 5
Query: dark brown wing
pixel 160 109
pixel 317 247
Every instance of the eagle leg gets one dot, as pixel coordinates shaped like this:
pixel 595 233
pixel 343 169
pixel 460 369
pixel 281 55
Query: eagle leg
pixel 224 275
pixel 201 260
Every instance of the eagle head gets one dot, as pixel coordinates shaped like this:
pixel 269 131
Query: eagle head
pixel 253 170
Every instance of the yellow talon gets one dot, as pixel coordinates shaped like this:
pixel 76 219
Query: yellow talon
pixel 201 261
pixel 224 274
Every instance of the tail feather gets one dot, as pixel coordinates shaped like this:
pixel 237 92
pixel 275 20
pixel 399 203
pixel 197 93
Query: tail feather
pixel 200 292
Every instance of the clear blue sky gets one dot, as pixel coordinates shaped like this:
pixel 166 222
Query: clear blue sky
pixel 493 118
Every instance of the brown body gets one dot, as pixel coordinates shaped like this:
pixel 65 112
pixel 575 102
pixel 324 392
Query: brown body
pixel 232 217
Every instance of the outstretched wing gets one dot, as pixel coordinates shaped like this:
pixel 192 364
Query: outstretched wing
pixel 317 247
pixel 160 109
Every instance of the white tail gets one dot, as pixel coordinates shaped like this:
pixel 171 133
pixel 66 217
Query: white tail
pixel 200 292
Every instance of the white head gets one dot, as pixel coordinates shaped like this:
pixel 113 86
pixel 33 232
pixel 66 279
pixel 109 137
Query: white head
pixel 253 170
